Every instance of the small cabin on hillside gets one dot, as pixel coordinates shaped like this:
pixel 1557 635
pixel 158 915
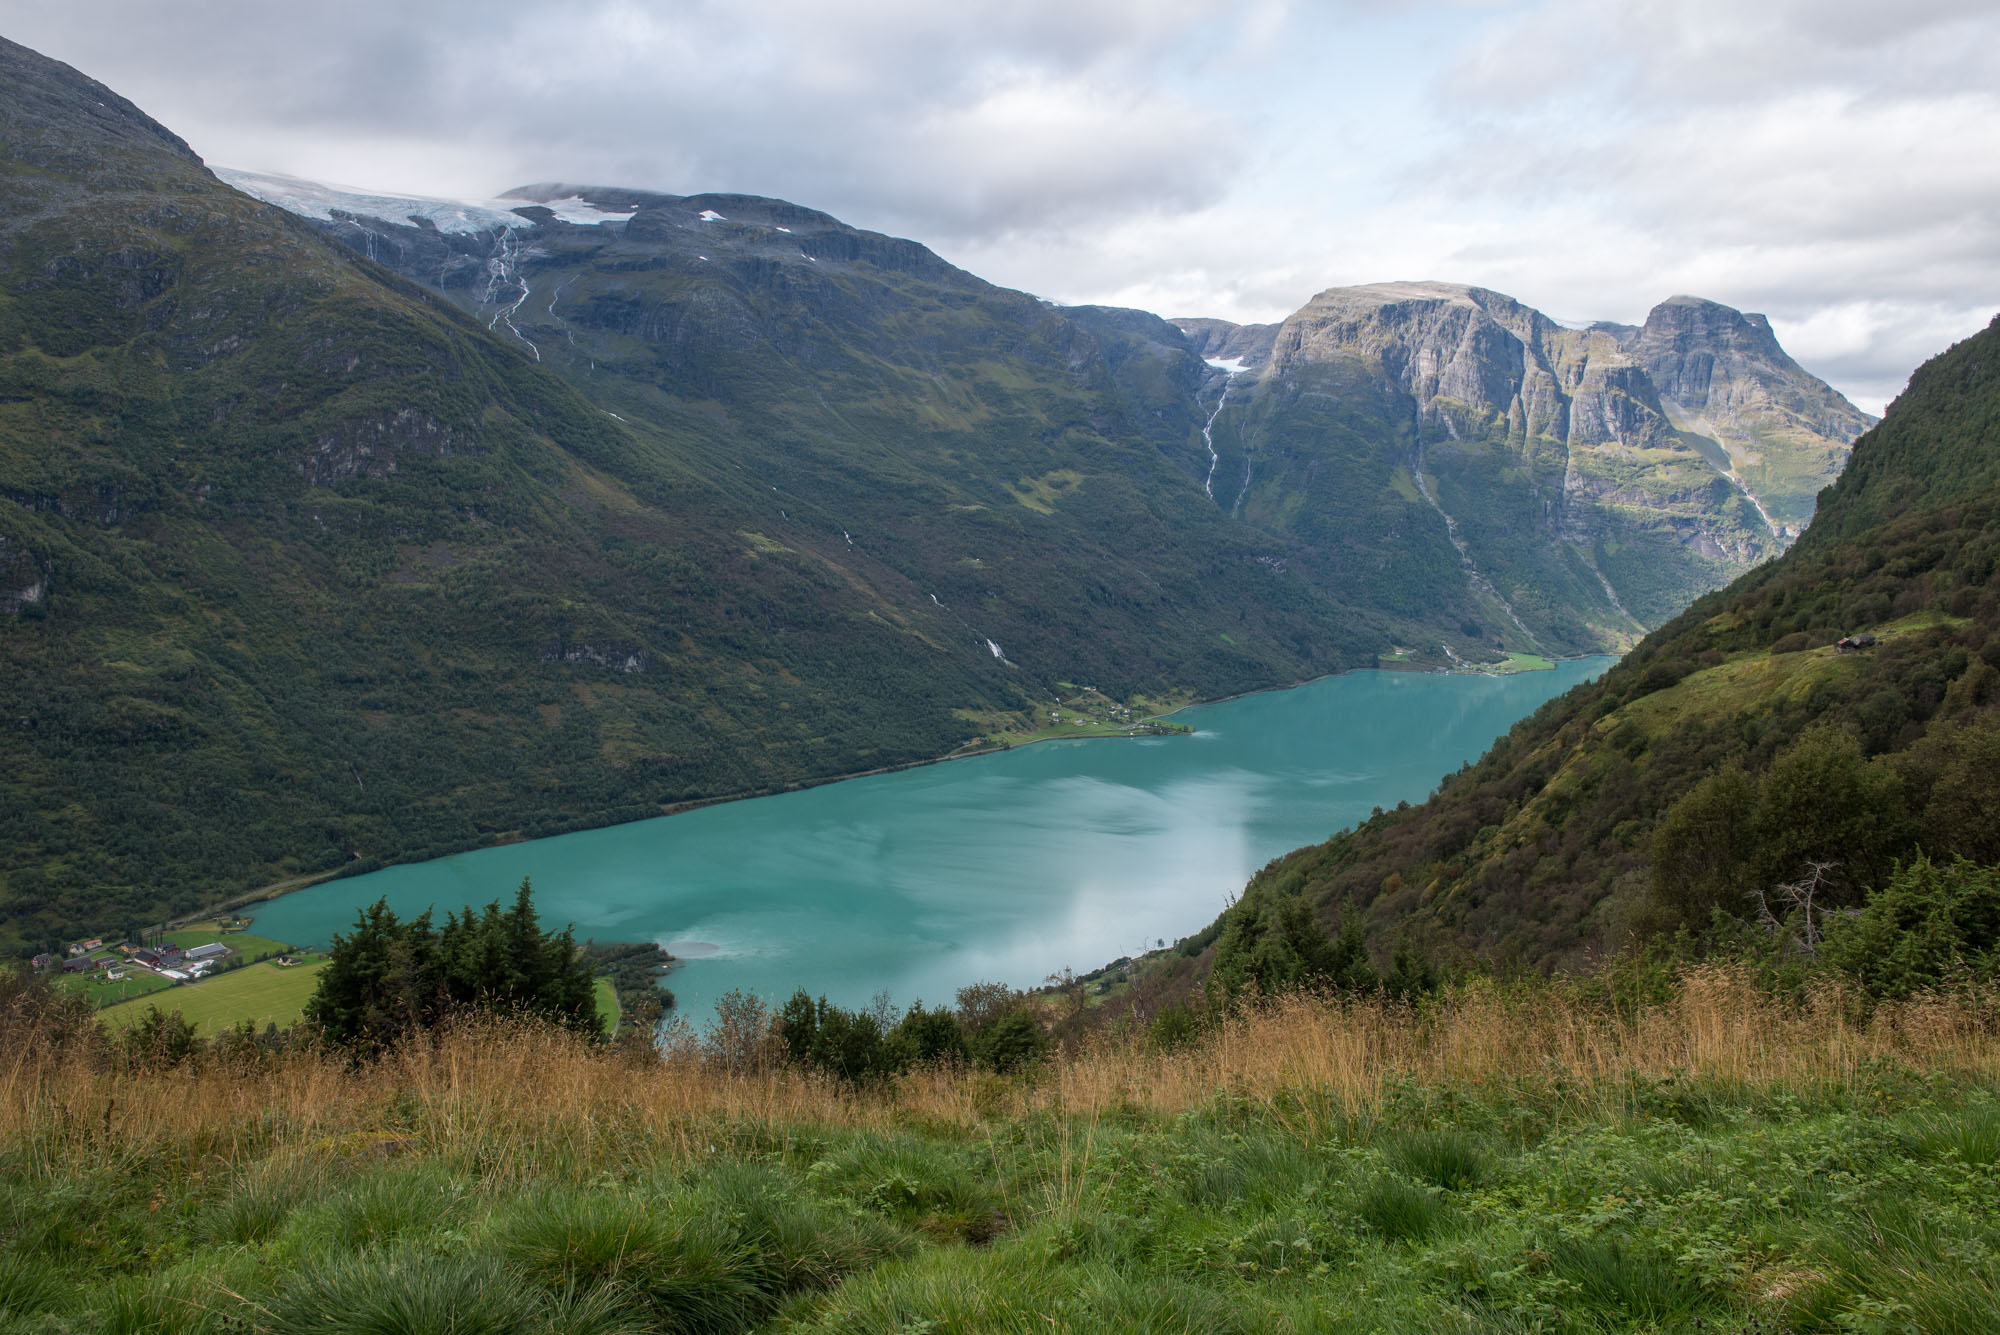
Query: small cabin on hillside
pixel 1854 644
pixel 41 962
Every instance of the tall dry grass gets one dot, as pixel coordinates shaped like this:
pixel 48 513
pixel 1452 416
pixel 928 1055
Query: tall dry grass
pixel 494 1095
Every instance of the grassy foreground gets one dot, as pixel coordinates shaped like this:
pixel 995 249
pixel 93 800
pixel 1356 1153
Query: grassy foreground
pixel 1508 1158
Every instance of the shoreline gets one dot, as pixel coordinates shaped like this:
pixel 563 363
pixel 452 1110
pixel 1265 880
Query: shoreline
pixel 293 884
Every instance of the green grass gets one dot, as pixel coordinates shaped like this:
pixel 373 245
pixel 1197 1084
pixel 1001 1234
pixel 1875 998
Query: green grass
pixel 260 993
pixel 103 993
pixel 607 1005
pixel 1532 1206
pixel 1520 663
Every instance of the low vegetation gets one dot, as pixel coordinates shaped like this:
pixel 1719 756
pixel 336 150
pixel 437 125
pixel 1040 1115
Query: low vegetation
pixel 1496 1157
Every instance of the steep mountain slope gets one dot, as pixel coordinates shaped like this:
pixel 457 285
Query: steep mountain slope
pixel 1588 482
pixel 300 567
pixel 1738 748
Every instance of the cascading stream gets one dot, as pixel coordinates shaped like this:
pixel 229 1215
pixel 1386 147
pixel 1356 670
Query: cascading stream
pixel 1230 367
pixel 502 270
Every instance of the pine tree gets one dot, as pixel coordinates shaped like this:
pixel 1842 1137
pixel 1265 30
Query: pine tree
pixel 388 979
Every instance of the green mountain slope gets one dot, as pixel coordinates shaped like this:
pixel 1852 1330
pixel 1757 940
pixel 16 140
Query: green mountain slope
pixel 999 449
pixel 1738 746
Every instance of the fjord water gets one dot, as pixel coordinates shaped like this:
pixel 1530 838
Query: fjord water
pixel 1006 866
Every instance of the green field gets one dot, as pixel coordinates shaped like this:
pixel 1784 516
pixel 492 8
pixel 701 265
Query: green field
pixel 260 993
pixel 607 1005
pixel 240 943
pixel 1519 663
pixel 103 993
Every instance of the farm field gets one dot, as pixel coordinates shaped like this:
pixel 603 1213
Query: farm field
pixel 260 993
pixel 102 992
pixel 241 943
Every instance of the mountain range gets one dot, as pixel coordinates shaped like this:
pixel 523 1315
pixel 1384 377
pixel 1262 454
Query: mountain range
pixel 367 528
pixel 1470 472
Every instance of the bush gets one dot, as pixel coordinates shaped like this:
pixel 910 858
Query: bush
pixel 1928 926
pixel 1013 1041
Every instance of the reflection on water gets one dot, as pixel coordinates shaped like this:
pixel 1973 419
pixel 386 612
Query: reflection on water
pixel 1007 866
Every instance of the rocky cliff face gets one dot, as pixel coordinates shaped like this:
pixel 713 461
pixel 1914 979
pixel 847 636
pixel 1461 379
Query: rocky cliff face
pixel 1722 376
pixel 1587 482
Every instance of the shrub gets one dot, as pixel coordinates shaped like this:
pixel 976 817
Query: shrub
pixel 1929 924
pixel 1013 1041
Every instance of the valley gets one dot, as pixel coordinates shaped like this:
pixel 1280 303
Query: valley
pixel 1401 813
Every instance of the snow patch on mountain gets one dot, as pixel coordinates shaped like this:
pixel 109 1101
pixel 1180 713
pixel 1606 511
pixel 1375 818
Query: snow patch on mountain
pixel 311 199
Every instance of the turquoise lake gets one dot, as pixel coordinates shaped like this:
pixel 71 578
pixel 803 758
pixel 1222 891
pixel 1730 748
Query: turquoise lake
pixel 1007 866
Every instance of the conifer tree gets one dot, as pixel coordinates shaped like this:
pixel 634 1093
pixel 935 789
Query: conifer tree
pixel 388 979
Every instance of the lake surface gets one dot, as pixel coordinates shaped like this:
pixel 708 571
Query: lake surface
pixel 1007 866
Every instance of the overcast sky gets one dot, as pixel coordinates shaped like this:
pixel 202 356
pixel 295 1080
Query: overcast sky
pixel 1832 163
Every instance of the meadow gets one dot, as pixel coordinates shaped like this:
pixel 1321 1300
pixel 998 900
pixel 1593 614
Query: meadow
pixel 1536 1156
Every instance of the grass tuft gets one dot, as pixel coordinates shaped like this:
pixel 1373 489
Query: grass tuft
pixel 1449 1160
pixel 1615 1277
pixel 405 1293
pixel 1401 1211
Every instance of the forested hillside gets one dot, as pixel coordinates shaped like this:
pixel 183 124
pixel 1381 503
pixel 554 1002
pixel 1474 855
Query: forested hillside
pixel 1740 757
